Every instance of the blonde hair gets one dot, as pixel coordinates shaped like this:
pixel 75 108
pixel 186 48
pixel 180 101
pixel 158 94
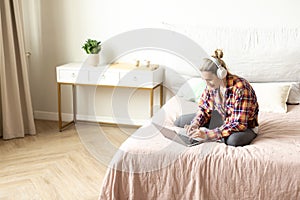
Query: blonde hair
pixel 210 66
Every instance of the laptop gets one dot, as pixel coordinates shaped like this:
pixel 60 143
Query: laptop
pixel 179 136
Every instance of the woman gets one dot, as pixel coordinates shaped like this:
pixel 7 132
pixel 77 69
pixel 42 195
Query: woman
pixel 226 97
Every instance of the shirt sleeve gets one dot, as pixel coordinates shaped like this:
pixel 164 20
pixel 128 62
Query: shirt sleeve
pixel 205 107
pixel 238 119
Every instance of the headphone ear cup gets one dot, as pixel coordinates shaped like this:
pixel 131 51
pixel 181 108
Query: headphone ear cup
pixel 221 72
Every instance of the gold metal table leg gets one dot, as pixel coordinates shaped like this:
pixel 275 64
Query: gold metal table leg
pixel 161 95
pixel 74 102
pixel 151 102
pixel 60 123
pixel 59 107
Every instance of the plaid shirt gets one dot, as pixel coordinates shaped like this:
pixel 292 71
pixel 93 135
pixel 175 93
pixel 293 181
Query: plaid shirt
pixel 239 108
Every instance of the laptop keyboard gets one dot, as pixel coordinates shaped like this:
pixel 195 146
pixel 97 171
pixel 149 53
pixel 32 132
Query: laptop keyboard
pixel 181 132
pixel 186 139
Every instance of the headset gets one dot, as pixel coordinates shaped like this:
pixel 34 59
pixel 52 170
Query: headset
pixel 221 71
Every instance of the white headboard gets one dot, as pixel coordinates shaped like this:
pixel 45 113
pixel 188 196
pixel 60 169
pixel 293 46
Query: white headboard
pixel 258 54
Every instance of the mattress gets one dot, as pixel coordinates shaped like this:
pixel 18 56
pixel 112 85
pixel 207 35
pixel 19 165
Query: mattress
pixel 150 166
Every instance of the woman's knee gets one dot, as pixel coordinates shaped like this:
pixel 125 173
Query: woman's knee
pixel 234 141
pixel 240 138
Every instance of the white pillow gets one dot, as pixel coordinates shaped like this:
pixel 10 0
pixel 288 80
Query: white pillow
pixel 272 97
pixel 192 89
pixel 294 96
pixel 174 80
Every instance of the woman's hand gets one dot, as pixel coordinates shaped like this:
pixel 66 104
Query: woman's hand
pixel 194 131
pixel 198 133
pixel 190 128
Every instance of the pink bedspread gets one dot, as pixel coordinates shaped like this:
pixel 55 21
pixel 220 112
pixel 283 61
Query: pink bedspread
pixel 149 166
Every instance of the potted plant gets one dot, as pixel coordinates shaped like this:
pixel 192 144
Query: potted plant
pixel 93 48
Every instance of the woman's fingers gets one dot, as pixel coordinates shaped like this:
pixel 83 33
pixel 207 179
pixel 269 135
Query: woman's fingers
pixel 197 133
pixel 194 133
pixel 190 128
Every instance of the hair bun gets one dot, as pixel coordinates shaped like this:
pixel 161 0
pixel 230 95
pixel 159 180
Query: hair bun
pixel 219 53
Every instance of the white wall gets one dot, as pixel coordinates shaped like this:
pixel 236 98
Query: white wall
pixel 56 29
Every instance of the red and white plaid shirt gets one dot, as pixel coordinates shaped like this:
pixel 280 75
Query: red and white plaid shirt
pixel 239 108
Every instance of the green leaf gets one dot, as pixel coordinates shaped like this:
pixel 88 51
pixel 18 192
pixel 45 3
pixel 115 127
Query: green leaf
pixel 92 46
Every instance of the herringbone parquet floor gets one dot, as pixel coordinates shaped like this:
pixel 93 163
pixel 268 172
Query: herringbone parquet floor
pixel 52 165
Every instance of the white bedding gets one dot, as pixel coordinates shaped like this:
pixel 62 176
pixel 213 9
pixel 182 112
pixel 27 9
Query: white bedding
pixel 149 166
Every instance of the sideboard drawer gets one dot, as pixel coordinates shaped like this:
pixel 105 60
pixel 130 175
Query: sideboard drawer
pixel 141 78
pixel 103 78
pixel 72 76
pixel 134 78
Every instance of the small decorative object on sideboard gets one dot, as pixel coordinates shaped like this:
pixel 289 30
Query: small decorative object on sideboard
pixel 145 65
pixel 92 48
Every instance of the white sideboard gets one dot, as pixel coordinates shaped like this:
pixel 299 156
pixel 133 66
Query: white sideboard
pixel 114 75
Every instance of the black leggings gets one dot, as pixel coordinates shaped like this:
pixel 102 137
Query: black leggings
pixel 234 139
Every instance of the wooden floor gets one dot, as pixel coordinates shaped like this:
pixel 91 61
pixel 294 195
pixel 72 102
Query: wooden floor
pixel 52 164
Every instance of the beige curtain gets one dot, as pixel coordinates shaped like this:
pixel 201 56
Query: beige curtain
pixel 16 119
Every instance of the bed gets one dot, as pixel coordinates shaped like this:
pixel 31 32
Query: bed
pixel 150 166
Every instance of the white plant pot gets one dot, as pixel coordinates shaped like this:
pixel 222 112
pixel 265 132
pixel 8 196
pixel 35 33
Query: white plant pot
pixel 93 59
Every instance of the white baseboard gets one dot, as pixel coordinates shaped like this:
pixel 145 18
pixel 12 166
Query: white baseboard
pixel 68 117
pixel 51 116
